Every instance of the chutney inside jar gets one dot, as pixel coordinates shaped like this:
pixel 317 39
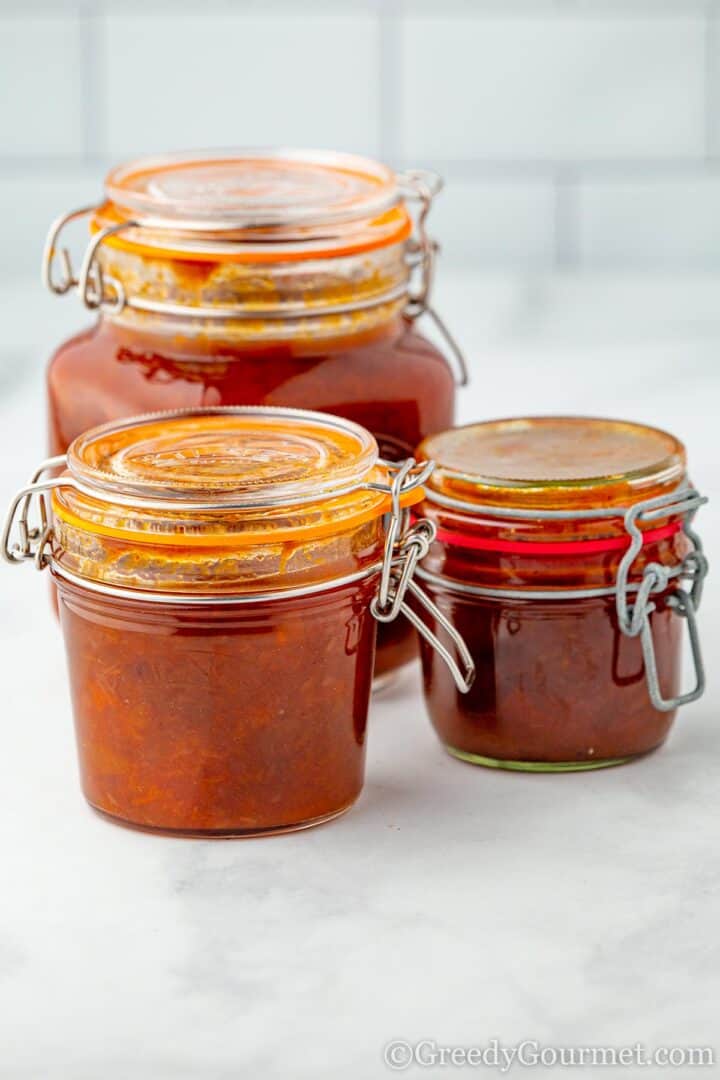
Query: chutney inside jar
pixel 280 278
pixel 215 572
pixel 563 556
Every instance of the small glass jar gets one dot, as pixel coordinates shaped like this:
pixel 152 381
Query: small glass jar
pixel 217 575
pixel 257 278
pixel 562 547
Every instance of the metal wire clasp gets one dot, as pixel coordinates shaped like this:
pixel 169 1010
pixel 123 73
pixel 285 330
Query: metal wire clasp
pixel 404 547
pixel 634 617
pixel 31 540
pixel 422 187
pixel 96 290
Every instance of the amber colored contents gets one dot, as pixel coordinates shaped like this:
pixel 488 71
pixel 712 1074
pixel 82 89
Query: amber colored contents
pixel 557 684
pixel 237 720
pixel 215 571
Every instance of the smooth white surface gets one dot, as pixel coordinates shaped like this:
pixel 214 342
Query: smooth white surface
pixel 452 903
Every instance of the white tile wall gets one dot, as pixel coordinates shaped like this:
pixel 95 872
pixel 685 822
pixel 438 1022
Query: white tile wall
pixel 649 220
pixel 577 132
pixel 227 80
pixel 41 108
pixel 496 223
pixel 549 87
pixel 29 202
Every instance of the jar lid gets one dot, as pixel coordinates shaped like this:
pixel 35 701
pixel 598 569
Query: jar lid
pixel 553 463
pixel 274 203
pixel 240 457
pixel 223 498
pixel 246 474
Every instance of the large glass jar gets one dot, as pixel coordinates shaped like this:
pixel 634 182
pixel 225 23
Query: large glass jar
pixel 217 574
pixel 563 545
pixel 261 278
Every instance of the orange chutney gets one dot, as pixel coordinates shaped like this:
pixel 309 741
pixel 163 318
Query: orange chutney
pixel 216 571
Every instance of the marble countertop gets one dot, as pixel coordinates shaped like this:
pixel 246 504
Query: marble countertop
pixel 453 904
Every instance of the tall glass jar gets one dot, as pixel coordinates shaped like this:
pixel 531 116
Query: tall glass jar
pixel 563 550
pixel 218 573
pixel 261 278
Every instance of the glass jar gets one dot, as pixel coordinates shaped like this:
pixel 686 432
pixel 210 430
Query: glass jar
pixel 217 575
pixel 562 547
pixel 257 278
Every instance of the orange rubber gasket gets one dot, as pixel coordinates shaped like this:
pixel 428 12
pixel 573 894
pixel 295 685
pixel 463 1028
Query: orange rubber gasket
pixel 255 255
pixel 246 538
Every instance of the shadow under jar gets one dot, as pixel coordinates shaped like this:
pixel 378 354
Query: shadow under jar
pixel 565 558
pixel 257 278
pixel 217 573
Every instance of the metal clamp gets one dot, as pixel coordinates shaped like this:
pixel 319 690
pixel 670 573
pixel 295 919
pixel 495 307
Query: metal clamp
pixel 91 283
pixel 422 186
pixel 32 539
pixel 404 548
pixel 68 281
pixel 634 618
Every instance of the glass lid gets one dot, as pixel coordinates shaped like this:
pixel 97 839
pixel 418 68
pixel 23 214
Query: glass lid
pixel 241 457
pixel 252 188
pixel 239 475
pixel 269 202
pixel 554 462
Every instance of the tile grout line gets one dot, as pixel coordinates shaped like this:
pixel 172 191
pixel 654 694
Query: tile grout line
pixel 389 74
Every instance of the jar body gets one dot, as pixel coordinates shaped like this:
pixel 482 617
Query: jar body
pixel 220 719
pixel 390 380
pixel 558 685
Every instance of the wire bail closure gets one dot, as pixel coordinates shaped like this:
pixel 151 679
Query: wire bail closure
pixel 32 538
pixel 422 187
pixel 633 615
pixel 91 282
pixel 634 618
pixel 404 548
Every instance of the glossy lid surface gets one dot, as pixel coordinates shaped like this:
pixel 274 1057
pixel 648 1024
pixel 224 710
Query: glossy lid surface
pixel 554 462
pixel 242 457
pixel 292 199
pixel 254 188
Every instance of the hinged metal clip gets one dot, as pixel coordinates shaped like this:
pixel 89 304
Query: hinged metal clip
pixel 404 548
pixel 634 617
pixel 32 539
pixel 422 186
pixel 97 291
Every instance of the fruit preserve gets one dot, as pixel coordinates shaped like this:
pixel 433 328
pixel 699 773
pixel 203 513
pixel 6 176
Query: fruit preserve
pixel 261 278
pixel 218 573
pixel 563 549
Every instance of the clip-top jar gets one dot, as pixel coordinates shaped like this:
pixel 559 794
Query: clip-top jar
pixel 257 278
pixel 217 573
pixel 563 555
